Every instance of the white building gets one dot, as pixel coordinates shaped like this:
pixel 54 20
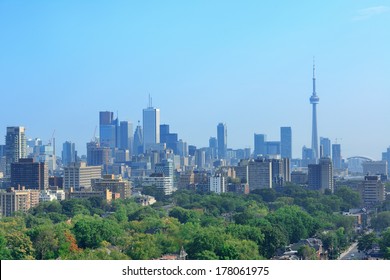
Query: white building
pixel 217 184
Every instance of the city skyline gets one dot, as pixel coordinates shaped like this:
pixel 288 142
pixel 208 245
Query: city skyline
pixel 247 65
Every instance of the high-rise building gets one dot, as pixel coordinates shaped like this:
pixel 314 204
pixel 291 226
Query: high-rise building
pixel 260 145
pixel 200 158
pixel 273 147
pixel 77 175
pixel 314 100
pixel 18 199
pixel 222 140
pixel 126 136
pixel 325 145
pixel 15 146
pixel 386 157
pixel 138 143
pixel 213 146
pixel 336 156
pixel 115 185
pixel 29 174
pixel 151 126
pixel 320 176
pixel 96 155
pixel 170 139
pixel 286 142
pixel 372 190
pixel 217 184
pixel 259 174
pixel 165 167
pixel 108 129
pixel 68 153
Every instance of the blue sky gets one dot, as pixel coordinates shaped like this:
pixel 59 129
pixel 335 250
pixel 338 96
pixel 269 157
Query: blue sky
pixel 245 63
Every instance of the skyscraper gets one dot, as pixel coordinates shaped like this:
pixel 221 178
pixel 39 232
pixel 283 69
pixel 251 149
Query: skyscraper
pixel 320 176
pixel 314 100
pixel 151 126
pixel 286 142
pixel 325 145
pixel 68 153
pixel 108 129
pixel 29 174
pixel 336 156
pixel 126 135
pixel 260 145
pixel 138 140
pixel 222 140
pixel 15 146
pixel 213 146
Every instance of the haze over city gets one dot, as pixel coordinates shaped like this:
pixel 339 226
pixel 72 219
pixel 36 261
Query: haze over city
pixel 248 65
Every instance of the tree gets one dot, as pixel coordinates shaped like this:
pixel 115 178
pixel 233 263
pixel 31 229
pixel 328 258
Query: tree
pixel 306 252
pixel 366 241
pixel 45 242
pixel 351 198
pixel 381 221
pixel 91 231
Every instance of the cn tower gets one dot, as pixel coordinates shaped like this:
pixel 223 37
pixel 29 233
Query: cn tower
pixel 314 100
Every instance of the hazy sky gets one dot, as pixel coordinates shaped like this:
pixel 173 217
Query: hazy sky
pixel 245 63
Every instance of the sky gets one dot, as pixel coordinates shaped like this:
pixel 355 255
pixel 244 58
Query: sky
pixel 244 63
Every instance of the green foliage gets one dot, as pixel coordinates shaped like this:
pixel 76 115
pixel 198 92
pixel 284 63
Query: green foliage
pixel 381 221
pixel 305 252
pixel 350 198
pixel 297 223
pixel 184 215
pixel 91 231
pixel 366 241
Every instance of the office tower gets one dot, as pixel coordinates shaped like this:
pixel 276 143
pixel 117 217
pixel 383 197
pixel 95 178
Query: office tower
pixel 386 157
pixel 272 147
pixel 320 176
pixel 336 156
pixel 15 146
pixel 191 150
pixel 138 140
pixel 200 158
pixel 126 136
pixel 314 100
pixel 68 153
pixel 78 175
pixel 170 139
pixel 260 145
pixel 372 190
pixel 326 147
pixel 97 156
pixel 108 129
pixel 151 126
pixel 182 148
pixel 307 156
pixel 29 174
pixel 286 142
pixel 18 199
pixel 165 167
pixel 222 140
pixel 213 146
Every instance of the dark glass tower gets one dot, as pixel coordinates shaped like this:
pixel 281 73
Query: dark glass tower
pixel 286 142
pixel 222 140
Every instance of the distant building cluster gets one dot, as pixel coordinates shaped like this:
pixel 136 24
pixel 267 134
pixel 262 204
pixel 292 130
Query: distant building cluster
pixel 120 159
